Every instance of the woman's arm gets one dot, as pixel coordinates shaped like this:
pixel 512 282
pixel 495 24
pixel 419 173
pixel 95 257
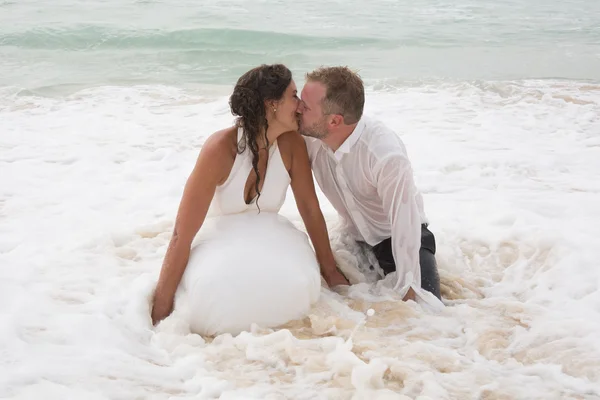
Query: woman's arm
pixel 197 196
pixel 303 187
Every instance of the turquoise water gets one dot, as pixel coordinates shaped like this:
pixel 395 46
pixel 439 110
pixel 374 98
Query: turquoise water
pixel 87 43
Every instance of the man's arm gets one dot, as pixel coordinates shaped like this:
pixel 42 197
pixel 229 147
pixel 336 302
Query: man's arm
pixel 394 180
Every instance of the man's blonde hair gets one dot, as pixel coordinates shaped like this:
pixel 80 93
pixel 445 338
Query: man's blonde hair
pixel 345 92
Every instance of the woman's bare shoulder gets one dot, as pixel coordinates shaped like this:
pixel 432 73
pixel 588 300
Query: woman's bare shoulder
pixel 290 143
pixel 223 141
pixel 219 151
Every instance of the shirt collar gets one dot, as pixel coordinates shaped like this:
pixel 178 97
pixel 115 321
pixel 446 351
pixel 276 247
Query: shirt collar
pixel 350 140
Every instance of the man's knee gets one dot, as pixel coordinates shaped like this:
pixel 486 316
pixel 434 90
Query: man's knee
pixel 384 255
pixel 427 239
pixel 430 279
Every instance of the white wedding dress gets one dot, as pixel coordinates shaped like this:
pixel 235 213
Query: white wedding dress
pixel 247 267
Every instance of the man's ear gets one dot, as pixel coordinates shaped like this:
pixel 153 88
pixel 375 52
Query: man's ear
pixel 336 120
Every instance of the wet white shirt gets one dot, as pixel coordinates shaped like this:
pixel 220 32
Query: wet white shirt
pixel 369 181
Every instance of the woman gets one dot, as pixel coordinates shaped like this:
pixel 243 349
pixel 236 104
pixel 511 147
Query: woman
pixel 242 172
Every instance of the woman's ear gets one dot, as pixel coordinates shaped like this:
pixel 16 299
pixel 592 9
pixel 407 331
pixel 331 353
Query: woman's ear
pixel 271 106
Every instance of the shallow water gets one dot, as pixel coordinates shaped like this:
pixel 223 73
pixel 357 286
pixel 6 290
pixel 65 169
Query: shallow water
pixel 509 173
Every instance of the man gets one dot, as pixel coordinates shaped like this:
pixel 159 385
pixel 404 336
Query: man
pixel 363 169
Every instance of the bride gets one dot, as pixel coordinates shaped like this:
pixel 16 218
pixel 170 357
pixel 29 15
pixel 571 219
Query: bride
pixel 250 264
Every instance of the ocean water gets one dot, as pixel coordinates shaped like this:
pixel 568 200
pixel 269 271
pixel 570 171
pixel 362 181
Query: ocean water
pixel 104 106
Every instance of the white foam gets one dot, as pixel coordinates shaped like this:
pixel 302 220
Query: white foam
pixel 89 186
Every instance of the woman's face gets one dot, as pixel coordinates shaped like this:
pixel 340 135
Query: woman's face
pixel 285 108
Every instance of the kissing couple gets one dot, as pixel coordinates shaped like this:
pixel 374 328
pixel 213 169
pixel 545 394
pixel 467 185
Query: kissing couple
pixel 237 261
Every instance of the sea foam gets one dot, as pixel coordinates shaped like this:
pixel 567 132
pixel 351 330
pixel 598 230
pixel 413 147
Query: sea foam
pixel 90 184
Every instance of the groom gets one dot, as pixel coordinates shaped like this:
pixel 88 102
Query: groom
pixel 362 167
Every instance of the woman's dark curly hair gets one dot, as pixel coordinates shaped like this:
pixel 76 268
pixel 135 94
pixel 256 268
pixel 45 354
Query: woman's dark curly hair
pixel 247 103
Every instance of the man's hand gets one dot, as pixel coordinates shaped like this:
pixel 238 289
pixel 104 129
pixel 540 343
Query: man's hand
pixel 161 308
pixel 410 295
pixel 335 278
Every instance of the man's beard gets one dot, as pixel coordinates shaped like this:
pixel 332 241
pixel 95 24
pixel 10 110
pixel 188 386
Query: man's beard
pixel 316 130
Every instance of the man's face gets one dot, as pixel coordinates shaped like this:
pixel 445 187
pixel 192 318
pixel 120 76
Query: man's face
pixel 311 121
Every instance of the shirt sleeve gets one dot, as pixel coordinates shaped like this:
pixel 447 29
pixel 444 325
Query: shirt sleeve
pixel 396 187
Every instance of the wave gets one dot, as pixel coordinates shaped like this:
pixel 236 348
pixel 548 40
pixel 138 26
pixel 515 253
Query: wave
pixel 99 37
pixel 555 93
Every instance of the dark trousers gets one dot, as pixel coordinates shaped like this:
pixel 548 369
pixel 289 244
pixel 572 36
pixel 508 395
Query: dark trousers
pixel 430 279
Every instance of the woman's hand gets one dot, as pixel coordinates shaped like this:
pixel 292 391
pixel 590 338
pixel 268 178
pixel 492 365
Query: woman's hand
pixel 335 278
pixel 162 306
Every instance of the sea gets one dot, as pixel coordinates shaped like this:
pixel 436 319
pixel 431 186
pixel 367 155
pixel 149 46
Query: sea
pixel 105 104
